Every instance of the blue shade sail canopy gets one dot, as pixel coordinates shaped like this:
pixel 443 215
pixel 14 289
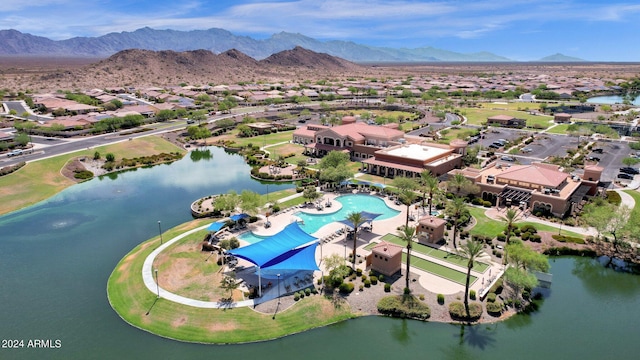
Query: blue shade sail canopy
pixel 277 248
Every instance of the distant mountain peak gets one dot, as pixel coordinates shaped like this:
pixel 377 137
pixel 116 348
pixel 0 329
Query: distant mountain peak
pixel 558 57
pixel 218 41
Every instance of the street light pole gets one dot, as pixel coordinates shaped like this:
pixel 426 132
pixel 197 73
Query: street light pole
pixel 157 283
pixel 278 289
pixel 160 230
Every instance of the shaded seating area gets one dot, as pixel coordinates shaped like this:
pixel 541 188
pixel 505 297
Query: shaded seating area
pixel 282 257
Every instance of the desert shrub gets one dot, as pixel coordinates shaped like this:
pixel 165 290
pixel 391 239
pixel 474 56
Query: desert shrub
pixel 363 278
pixel 346 287
pixel 381 277
pixel 407 291
pixel 497 287
pixel 568 251
pixel 614 198
pixel 491 297
pixel 361 287
pixel 359 272
pixel 307 292
pixel 367 283
pixel 387 287
pixel 569 239
pixel 472 294
pixel 296 297
pixel 374 280
pixel 501 237
pixel 403 306
pixel 457 311
pixel 495 308
pixel 525 236
pixel 486 203
pixel 529 228
pixel 440 299
pixel 535 238
pixel 301 294
pixel 83 175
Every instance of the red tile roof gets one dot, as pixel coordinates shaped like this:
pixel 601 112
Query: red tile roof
pixel 535 174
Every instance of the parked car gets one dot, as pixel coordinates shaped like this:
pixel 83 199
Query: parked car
pixel 527 150
pixel 494 146
pixel 507 158
pixel 597 150
pixel 593 158
pixel 625 176
pixel 629 170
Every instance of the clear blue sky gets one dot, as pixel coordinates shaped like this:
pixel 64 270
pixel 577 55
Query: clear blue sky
pixel 595 30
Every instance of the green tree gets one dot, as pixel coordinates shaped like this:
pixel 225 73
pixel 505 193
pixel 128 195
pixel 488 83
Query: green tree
pixel 470 251
pixel 629 161
pixel 523 257
pixel 250 201
pixel 510 218
pixel 429 186
pixel 337 269
pixel 406 194
pixel 310 193
pixel 333 159
pixel 22 139
pixel 459 185
pixel 165 115
pixel 456 209
pixel 407 234
pixel 356 219
pixel 229 283
pixel 199 116
pixel 110 157
pixel 519 279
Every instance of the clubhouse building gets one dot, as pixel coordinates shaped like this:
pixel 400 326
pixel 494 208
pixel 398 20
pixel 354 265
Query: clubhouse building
pixel 538 188
pixel 382 149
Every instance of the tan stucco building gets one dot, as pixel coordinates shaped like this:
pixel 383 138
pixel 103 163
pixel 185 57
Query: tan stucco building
pixel 386 258
pixel 537 187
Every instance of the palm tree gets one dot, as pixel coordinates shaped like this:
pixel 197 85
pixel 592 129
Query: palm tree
pixel 457 182
pixel 356 219
pixel 471 251
pixel 407 234
pixel 456 208
pixel 429 185
pixel 405 187
pixel 510 218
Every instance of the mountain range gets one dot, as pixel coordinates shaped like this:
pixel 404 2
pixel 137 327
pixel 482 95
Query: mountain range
pixel 16 43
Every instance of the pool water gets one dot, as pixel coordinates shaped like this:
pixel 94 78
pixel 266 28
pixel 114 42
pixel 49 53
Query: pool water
pixel 350 203
pixel 251 238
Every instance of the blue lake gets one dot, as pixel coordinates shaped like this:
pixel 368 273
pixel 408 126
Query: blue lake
pixel 613 99
pixel 56 258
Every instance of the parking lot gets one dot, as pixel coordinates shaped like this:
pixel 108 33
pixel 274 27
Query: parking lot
pixel 611 158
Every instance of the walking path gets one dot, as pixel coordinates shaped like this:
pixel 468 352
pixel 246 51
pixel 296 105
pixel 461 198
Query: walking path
pixel 330 243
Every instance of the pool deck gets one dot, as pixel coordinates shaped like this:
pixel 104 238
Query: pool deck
pixel 335 244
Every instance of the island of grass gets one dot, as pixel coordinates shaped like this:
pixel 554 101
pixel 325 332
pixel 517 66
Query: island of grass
pixel 141 308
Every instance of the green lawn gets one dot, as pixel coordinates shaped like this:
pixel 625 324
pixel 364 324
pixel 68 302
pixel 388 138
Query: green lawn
pixel 437 253
pixel 42 179
pixel 439 270
pixel 634 217
pixel 559 129
pixel 139 307
pixel 491 228
pixel 433 268
pixel 477 116
pixel 261 140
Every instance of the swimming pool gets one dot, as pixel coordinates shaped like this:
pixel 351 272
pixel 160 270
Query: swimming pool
pixel 251 238
pixel 350 203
